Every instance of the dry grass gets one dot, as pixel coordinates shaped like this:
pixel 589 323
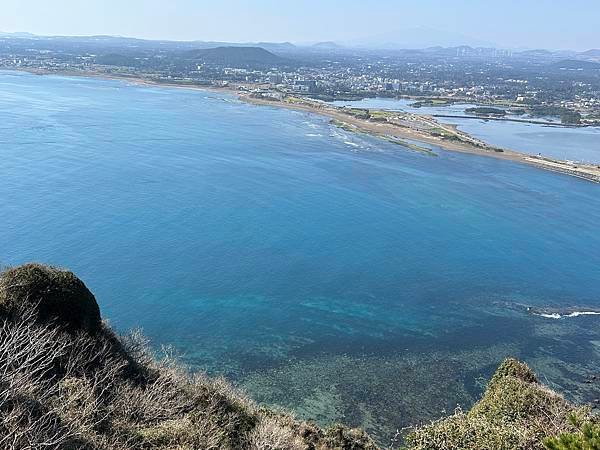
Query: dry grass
pixel 269 434
pixel 60 391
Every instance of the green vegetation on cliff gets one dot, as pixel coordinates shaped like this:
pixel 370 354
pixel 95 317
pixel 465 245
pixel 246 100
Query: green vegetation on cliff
pixel 68 382
pixel 515 413
pixel 588 438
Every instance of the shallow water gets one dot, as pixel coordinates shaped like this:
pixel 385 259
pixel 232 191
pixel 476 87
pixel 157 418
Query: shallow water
pixel 574 144
pixel 346 278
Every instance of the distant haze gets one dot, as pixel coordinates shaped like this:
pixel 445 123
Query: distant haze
pixel 508 24
pixel 419 37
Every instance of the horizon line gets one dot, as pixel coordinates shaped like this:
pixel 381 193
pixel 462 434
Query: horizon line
pixel 25 34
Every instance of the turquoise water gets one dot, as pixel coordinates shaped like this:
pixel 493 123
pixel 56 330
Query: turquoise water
pixel 574 144
pixel 346 278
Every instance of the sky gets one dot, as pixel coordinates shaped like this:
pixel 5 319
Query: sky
pixel 551 24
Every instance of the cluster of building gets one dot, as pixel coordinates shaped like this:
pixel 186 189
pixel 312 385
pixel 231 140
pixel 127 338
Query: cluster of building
pixel 474 80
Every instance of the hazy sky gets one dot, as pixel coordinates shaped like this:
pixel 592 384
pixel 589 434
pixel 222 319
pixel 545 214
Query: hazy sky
pixel 573 24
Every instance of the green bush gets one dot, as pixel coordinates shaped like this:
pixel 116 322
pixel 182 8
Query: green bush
pixel 586 439
pixel 511 367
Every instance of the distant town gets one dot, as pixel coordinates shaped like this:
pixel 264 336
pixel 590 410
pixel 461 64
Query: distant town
pixel 531 84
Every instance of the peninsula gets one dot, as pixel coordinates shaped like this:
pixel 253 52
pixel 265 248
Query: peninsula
pixel 401 127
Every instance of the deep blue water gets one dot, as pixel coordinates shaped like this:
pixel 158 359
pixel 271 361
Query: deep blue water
pixel 574 144
pixel 347 278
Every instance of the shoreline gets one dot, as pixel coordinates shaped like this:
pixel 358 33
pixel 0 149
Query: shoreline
pixel 587 172
pixel 384 130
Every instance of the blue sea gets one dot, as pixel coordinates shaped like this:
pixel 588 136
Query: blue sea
pixel 340 276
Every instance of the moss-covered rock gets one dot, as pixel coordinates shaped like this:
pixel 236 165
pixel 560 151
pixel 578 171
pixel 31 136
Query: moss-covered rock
pixel 56 295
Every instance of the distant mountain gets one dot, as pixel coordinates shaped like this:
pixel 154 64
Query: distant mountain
pixel 575 64
pixel 413 41
pixel 274 46
pixel 536 52
pixel 17 35
pixel 115 59
pixel 419 38
pixel 329 45
pixel 591 55
pixel 546 55
pixel 467 51
pixel 114 42
pixel 236 56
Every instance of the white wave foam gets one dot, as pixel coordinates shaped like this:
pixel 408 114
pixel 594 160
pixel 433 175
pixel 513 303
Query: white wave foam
pixel 565 316
pixel 550 316
pixel 583 313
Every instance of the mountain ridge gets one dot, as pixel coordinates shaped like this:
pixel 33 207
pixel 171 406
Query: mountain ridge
pixel 235 55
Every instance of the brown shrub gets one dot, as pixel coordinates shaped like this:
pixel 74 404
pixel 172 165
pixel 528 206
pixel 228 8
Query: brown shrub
pixel 269 434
